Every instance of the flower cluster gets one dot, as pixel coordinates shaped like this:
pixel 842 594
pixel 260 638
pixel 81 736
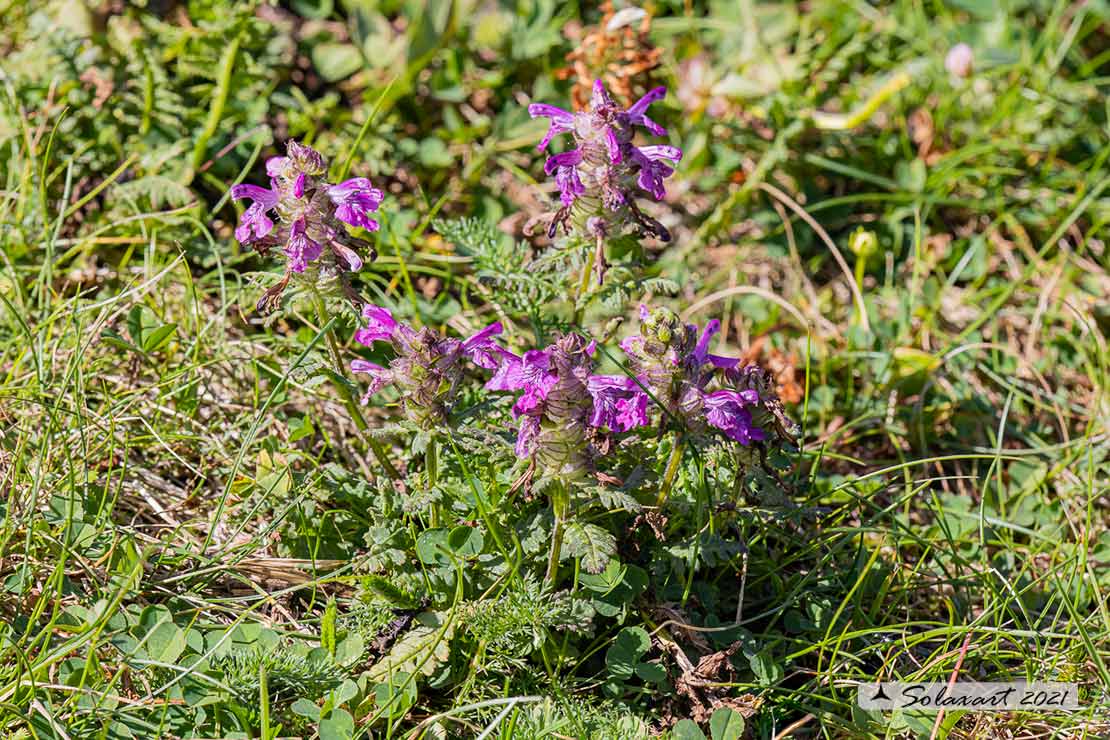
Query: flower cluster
pixel 427 368
pixel 672 361
pixel 564 405
pixel 564 408
pixel 598 179
pixel 310 214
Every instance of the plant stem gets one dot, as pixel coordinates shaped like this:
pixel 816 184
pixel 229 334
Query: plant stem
pixel 583 286
pixel 431 474
pixel 673 463
pixel 349 401
pixel 560 501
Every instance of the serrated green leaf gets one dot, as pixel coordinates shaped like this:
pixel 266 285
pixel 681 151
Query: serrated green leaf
pixel 423 649
pixel 590 542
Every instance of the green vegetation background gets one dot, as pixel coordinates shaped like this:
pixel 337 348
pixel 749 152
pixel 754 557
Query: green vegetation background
pixel 187 531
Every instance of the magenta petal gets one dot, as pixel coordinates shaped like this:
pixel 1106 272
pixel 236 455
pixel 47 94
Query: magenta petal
pixel 509 375
pixel 530 401
pixel 481 348
pixel 651 126
pixel 618 402
pixel 641 105
pixel 301 249
pixel 566 159
pixel 700 353
pixel 526 436
pixel 570 185
pixel 555 113
pixel 662 151
pixel 379 377
pixel 632 412
pixel 258 194
pixel 725 410
pixel 380 325
pixel 613 146
pixel 724 363
pixel 354 200
pixel 599 96
pixel 348 255
pixel 275 165
pixel 255 223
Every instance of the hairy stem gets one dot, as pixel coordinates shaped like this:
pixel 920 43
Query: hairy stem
pixel 431 473
pixel 673 464
pixel 560 501
pixel 583 286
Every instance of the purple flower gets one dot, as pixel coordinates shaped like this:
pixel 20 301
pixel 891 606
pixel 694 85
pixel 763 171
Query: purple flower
pixel 561 121
pixel 619 404
pixel 566 175
pixel 526 437
pixel 653 167
pixel 604 161
pixel 699 390
pixel 514 373
pixel 354 200
pixel 311 214
pixel 637 113
pixel 700 354
pixel 380 377
pixel 254 223
pixel 482 350
pixel 727 410
pixel 301 249
pixel 427 367
pixel 380 325
pixel 562 404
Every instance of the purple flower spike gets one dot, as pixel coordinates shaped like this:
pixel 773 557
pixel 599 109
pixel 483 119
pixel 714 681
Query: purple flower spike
pixel 379 327
pixel 254 224
pixel 354 200
pixel 605 166
pixel 428 368
pixel 672 361
pixel 301 249
pixel 304 216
